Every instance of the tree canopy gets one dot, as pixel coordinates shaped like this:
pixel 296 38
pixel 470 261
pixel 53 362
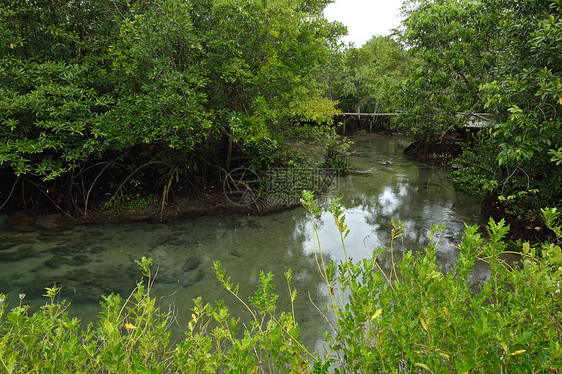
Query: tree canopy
pixel 451 59
pixel 365 79
pixel 499 57
pixel 87 83
pixel 194 85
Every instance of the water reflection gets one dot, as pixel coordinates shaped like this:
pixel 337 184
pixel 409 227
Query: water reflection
pixel 392 187
pixel 88 261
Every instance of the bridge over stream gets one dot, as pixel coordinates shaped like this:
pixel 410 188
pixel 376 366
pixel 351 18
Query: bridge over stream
pixel 474 122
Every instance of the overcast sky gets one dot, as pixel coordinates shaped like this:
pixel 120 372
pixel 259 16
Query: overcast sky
pixel 365 18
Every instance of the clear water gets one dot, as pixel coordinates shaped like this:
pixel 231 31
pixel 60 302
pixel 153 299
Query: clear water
pixel 91 260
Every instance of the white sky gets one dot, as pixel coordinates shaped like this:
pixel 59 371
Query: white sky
pixel 365 18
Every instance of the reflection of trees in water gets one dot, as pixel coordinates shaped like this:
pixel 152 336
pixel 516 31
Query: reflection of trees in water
pixel 385 145
pixel 413 193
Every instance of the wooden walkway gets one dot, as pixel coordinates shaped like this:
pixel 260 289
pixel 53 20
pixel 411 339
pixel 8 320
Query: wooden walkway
pixel 479 120
pixel 367 114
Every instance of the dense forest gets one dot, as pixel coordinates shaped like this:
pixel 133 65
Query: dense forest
pixel 162 95
pixel 104 98
pixel 105 103
pixel 452 59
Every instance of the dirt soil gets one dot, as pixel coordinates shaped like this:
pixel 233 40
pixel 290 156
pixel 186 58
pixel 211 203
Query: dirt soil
pixel 438 153
pixel 204 203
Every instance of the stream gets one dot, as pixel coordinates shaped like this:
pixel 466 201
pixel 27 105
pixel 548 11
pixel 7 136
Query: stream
pixel 91 260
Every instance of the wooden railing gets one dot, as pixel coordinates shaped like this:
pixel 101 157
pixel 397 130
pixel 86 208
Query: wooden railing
pixel 481 118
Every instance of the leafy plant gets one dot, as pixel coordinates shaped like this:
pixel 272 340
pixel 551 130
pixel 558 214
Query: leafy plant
pixel 194 85
pixel 476 177
pixel 412 316
pixel 394 311
pixel 128 202
pixel 337 151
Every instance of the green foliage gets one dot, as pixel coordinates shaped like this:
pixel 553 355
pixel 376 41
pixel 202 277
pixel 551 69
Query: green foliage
pixel 188 83
pixel 130 202
pixel 366 79
pixel 219 68
pixel 451 51
pixel 412 316
pixel 477 161
pixel 132 336
pixel 52 92
pixel 500 57
pixel 552 219
pixel 336 151
pixel 47 113
pixel 160 98
pixel 525 93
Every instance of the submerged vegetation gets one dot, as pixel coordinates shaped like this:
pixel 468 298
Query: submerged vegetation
pixel 411 317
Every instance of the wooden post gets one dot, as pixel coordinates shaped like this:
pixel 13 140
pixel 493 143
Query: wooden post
pixel 358 117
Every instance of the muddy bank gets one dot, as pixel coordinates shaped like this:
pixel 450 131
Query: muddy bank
pixel 436 153
pixel 206 203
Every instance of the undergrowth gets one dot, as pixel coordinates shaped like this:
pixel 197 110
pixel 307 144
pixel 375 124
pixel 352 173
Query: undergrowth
pixel 410 318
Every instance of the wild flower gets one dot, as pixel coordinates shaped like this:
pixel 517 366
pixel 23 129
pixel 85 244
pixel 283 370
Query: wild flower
pixel 22 296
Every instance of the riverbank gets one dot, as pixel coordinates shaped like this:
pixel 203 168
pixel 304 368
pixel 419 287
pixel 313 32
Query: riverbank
pixel 442 153
pixel 211 202
pixel 89 260
pixel 439 153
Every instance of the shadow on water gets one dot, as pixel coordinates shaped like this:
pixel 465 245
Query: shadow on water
pixel 93 260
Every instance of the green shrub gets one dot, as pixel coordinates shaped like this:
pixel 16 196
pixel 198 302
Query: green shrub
pixel 337 151
pixel 476 176
pixel 412 317
pixel 415 316
pixel 131 202
pixel 131 336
